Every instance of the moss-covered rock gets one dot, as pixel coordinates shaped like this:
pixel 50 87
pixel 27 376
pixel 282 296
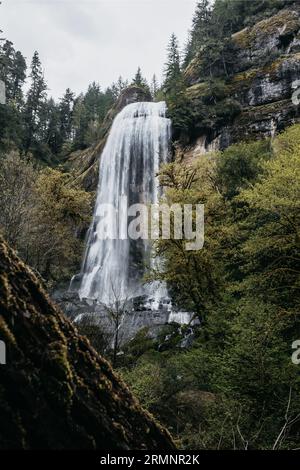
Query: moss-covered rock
pixel 285 21
pixel 270 37
pixel 55 391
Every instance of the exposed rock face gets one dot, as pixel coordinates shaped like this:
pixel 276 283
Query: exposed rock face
pixel 278 34
pixel 138 314
pixel 55 390
pixel 264 78
pixel 86 163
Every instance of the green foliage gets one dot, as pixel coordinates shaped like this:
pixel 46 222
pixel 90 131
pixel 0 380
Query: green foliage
pixel 174 91
pixel 36 99
pixel 137 347
pixel 146 381
pixel 99 339
pixel 209 41
pixel 271 252
pixel 172 67
pixel 239 166
pixel 139 80
pixel 17 178
pixel 154 88
pixel 36 124
pixel 89 112
pixel 65 111
pixel 251 376
pixel 41 214
pixel 198 110
pixel 193 276
pixel 236 387
pixel 12 72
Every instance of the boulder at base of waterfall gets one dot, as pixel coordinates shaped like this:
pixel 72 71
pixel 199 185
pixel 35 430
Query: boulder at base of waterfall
pixel 56 392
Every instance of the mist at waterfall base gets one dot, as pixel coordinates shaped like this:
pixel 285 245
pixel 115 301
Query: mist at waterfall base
pixel 113 269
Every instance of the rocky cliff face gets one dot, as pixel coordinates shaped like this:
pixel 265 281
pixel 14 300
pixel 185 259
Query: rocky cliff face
pixel 55 391
pixel 85 163
pixel 261 83
pixel 137 314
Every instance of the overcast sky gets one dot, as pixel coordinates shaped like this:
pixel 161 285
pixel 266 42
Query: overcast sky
pixel 80 41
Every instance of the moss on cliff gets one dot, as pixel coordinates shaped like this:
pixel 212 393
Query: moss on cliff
pixel 55 390
pixel 285 21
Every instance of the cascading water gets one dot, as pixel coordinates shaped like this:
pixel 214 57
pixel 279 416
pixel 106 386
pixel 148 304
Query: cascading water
pixel 138 143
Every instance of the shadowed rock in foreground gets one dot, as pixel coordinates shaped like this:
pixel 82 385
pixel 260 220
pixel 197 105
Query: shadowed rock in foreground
pixel 55 390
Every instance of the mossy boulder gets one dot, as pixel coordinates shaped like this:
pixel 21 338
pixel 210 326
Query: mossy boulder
pixel 56 392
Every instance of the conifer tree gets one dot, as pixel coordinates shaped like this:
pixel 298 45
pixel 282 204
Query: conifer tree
pixel 79 120
pixel 52 134
pixel 172 68
pixel 19 77
pixel 154 86
pixel 200 31
pixel 66 109
pixel 12 72
pixel 139 80
pixel 36 98
pixel 121 84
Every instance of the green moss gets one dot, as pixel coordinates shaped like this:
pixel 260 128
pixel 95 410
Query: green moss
pixel 192 70
pixel 260 112
pixel 272 69
pixel 65 395
pixel 243 79
pixel 197 91
pixel 6 333
pixel 242 38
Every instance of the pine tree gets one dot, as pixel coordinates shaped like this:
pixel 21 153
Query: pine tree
pixel 154 86
pixel 200 31
pixel 36 98
pixel 7 56
pixel 79 122
pixel 121 85
pixel 172 68
pixel 210 36
pixel 52 134
pixel 19 77
pixel 139 80
pixel 12 72
pixel 65 110
pixel 109 99
pixel 12 76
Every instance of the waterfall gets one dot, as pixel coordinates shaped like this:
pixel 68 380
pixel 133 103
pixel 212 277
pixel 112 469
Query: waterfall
pixel 138 143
